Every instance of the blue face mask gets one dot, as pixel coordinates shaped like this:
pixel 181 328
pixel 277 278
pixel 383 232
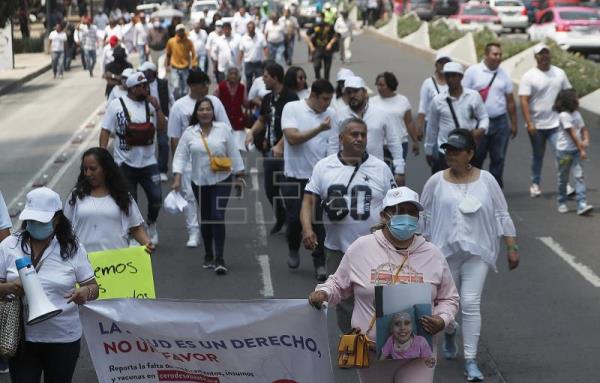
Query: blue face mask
pixel 39 230
pixel 403 226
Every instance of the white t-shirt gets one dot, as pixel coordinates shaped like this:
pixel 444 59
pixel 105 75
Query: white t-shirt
pixel 396 106
pixel 239 23
pixel 114 121
pixel 181 112
pixel 275 32
pixel 57 41
pixel 58 278
pixel 253 47
pixel 100 224
pixel 140 34
pixel 5 222
pixel 226 52
pixel 569 121
pixel 210 44
pixel 542 89
pixel 199 39
pixel 258 89
pixel 364 196
pixel 299 160
pixel 116 92
pixel 428 92
pixel 478 77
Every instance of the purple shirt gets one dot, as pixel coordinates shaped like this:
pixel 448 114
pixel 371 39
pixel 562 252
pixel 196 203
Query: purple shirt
pixel 419 348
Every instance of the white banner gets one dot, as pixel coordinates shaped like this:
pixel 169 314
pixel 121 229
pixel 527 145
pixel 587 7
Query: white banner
pixel 6 49
pixel 262 341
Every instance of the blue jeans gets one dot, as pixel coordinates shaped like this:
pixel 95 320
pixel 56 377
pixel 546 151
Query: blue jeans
pixel 149 179
pixel 178 81
pixel 68 57
pixel 212 200
pixel 538 146
pixel 141 48
pixel 57 63
pixel 90 60
pixel 163 151
pixel 276 52
pixel 290 42
pixel 568 160
pixel 495 142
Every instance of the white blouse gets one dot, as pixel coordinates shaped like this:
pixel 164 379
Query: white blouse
pixel 478 233
pixel 221 142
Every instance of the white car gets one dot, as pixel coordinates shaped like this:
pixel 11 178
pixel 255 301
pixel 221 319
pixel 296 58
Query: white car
pixel 573 28
pixel 513 13
pixel 198 7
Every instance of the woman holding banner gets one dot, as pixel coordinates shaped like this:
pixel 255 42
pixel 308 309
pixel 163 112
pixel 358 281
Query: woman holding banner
pixel 102 211
pixel 51 347
pixel 387 256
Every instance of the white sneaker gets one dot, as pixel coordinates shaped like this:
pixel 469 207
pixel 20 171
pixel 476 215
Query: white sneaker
pixel 583 210
pixel 534 191
pixel 153 233
pixel 562 208
pixel 570 190
pixel 193 240
pixel 163 177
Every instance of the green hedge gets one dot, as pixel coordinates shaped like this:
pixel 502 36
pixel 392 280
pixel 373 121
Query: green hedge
pixel 28 45
pixel 583 74
pixel 408 25
pixel 510 47
pixel 441 35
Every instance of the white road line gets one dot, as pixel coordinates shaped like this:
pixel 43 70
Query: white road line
pixel 265 266
pixel 260 224
pixel 50 162
pixel 254 175
pixel 582 269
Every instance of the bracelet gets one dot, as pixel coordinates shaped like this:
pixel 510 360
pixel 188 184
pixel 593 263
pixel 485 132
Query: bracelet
pixel 90 294
pixel 513 247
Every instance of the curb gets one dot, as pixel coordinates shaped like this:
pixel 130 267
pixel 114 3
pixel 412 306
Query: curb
pixel 17 83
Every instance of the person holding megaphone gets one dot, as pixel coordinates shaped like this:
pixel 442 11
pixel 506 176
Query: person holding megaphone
pixel 46 244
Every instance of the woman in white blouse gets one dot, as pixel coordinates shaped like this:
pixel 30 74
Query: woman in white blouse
pixel 295 80
pixel 102 211
pixel 211 188
pixel 465 216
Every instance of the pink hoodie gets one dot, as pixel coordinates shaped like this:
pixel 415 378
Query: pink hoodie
pixel 367 253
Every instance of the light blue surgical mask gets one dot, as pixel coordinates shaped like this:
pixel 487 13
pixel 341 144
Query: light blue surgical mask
pixel 403 226
pixel 39 230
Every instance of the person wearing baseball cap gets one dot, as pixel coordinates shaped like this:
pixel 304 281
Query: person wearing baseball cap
pixel 393 252
pixel 466 216
pixel 113 69
pixel 121 89
pixel 47 240
pixel 380 123
pixel 180 58
pixel 458 108
pixel 340 100
pixel 538 90
pixel 134 120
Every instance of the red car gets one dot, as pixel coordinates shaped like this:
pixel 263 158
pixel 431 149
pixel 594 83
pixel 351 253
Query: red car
pixel 475 16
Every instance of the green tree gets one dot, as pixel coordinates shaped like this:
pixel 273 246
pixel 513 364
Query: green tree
pixel 8 8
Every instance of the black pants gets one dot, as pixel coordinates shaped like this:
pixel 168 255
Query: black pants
pixel 149 179
pixel 293 192
pixel 273 168
pixel 56 360
pixel 321 56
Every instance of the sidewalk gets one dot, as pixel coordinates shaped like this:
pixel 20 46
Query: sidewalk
pixel 27 67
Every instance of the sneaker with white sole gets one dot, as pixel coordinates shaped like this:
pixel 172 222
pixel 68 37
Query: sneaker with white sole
pixel 220 268
pixel 193 239
pixel 164 177
pixel 584 209
pixel 534 190
pixel 570 190
pixel 472 371
pixel 209 262
pixel 562 208
pixel 153 233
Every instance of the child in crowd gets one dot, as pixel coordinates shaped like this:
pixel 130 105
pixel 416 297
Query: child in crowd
pixel 571 145
pixel 403 343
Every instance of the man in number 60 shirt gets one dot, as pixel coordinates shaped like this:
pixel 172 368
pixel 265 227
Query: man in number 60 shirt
pixel 363 192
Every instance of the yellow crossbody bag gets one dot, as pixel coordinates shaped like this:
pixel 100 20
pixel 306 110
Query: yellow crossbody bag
pixel 217 164
pixel 353 348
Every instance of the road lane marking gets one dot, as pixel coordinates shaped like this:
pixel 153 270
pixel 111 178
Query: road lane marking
pixel 260 224
pixel 582 269
pixel 265 266
pixel 254 175
pixel 82 131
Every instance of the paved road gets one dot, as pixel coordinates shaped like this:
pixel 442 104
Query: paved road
pixel 540 322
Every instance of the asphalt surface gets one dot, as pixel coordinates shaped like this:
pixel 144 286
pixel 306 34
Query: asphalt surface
pixel 540 322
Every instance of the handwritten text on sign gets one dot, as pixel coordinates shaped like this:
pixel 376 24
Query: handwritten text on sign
pixel 123 273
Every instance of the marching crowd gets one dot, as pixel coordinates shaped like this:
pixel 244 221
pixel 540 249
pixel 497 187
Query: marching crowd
pixel 333 163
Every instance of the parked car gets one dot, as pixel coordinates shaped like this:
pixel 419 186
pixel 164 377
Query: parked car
pixel 423 8
pixel 545 4
pixel 307 12
pixel 445 7
pixel 198 7
pixel 148 6
pixel 474 17
pixel 513 14
pixel 573 28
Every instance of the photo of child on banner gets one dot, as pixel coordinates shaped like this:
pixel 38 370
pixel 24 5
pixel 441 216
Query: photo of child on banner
pixel 399 332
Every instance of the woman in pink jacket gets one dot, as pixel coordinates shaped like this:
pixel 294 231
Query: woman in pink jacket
pixel 363 267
